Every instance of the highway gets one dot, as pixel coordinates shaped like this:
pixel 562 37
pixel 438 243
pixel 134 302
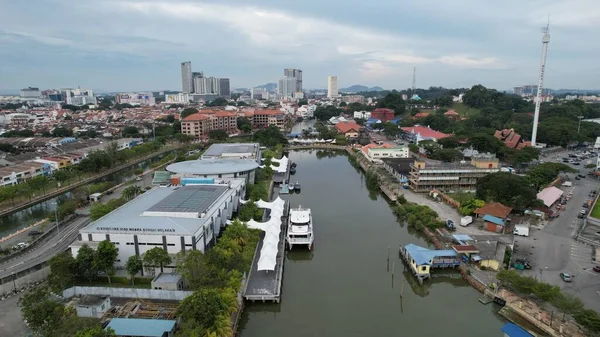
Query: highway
pixel 46 250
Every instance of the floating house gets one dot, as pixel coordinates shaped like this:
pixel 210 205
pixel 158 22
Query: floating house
pixel 421 260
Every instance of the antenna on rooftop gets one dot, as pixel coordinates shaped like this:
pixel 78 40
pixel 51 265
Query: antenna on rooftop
pixel 538 98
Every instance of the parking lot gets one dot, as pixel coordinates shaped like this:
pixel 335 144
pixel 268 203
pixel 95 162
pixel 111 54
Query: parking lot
pixel 552 250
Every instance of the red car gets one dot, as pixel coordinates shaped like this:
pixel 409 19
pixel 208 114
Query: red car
pixel 597 269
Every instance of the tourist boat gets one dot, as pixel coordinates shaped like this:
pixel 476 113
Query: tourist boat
pixel 284 189
pixel 292 170
pixel 294 165
pixel 300 229
pixel 291 187
pixel 297 186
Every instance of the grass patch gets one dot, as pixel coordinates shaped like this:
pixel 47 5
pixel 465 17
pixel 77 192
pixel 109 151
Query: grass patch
pixel 596 211
pixel 461 196
pixel 465 111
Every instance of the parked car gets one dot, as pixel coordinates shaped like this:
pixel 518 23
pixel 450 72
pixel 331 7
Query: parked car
pixel 109 192
pixel 581 214
pixel 577 178
pixel 34 233
pixel 581 175
pixel 138 179
pixel 450 225
pixel 20 245
pixel 566 277
pixel 576 163
pixel 597 269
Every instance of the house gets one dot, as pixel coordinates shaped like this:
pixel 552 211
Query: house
pixel 421 260
pixel 375 153
pixel 383 114
pixel 348 129
pixel 493 224
pixel 513 330
pixel 92 306
pixel 420 115
pixel 495 209
pixel 140 327
pixel 550 195
pixel 452 115
pixel 511 139
pixel 418 133
pixel 491 254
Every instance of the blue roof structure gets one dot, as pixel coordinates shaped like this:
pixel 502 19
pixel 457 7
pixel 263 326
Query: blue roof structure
pixel 493 219
pixel 141 327
pixel 513 330
pixel 462 237
pixel 373 120
pixel 423 255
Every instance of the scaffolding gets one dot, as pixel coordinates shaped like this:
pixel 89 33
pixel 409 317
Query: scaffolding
pixel 139 308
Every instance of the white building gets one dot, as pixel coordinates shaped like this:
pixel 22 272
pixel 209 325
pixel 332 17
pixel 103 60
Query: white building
pixel 194 171
pixel 332 87
pixel 180 98
pixel 287 86
pixel 375 153
pixel 233 151
pixel 31 93
pixel 173 218
pixel 353 99
pixel 79 96
pixel 362 114
pixel 142 98
pixel 306 111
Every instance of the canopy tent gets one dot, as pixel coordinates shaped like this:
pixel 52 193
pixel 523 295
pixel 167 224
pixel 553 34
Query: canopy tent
pixel 284 158
pixel 267 262
pixel 242 201
pixel 277 203
pixel 272 228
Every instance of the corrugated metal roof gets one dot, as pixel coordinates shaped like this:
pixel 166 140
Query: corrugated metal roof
pixel 513 330
pixel 493 219
pixel 423 255
pixel 141 327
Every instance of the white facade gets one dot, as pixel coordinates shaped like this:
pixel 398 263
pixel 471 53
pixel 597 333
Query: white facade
pixel 362 114
pixel 31 93
pixel 142 98
pixel 376 154
pixel 137 226
pixel 332 87
pixel 180 98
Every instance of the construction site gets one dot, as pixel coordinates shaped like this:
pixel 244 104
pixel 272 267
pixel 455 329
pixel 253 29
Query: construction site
pixel 132 308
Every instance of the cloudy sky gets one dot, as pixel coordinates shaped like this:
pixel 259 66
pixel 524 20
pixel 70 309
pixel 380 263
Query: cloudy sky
pixel 139 45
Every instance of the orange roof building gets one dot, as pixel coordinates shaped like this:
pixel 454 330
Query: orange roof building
pixel 511 139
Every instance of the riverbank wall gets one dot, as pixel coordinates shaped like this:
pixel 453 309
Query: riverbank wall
pixel 85 181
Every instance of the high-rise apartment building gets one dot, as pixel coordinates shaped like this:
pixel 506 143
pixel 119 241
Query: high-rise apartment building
pixel 187 80
pixel 332 87
pixel 287 86
pixel 297 74
pixel 224 88
pixel 30 93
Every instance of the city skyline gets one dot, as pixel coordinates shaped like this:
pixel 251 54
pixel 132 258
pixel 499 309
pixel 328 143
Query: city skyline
pixel 495 44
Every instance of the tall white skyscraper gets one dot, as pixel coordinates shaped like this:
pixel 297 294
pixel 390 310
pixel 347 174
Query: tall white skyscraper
pixel 332 87
pixel 295 73
pixel 187 80
pixel 287 86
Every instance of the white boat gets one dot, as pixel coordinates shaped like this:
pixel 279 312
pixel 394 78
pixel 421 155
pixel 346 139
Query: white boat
pixel 300 228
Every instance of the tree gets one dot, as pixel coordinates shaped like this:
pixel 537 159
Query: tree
pixel 244 124
pixel 545 291
pixel 324 113
pixel 62 132
pixel 589 319
pixel 543 174
pixel 133 266
pixel 485 143
pixel 467 207
pixel 219 101
pixel 85 266
pixel 205 307
pixel 62 270
pixel 568 304
pixel 509 189
pixel 218 134
pixel 131 192
pixel 271 136
pixel 392 101
pixel 131 131
pixel 170 119
pixel 105 257
pixel 188 111
pixel 193 267
pixel 154 258
pixel 97 331
pixel 43 314
pixel 238 232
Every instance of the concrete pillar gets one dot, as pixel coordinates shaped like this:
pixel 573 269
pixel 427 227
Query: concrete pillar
pixel 539 316
pixel 560 329
pixel 520 304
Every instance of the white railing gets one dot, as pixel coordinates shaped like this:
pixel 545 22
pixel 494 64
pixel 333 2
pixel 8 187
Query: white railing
pixel 300 240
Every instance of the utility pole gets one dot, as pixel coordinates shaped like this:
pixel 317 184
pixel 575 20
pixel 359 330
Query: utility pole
pixel 56 215
pixel 414 83
pixel 538 98
pixel 579 126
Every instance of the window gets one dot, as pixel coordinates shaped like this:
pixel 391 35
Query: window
pixel 423 268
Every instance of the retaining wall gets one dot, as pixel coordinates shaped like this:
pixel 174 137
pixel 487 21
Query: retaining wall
pixel 154 294
pixel 24 281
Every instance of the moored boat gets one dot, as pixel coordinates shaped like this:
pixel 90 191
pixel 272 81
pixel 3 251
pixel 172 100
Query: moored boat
pixel 300 228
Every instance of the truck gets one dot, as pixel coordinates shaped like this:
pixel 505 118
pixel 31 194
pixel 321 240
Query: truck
pixel 466 220
pixel 521 230
pixel 567 184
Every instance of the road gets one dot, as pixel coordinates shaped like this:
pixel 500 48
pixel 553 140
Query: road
pixel 552 250
pixel 46 250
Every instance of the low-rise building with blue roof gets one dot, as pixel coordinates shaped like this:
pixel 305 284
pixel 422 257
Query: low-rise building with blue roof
pixel 513 330
pixel 421 259
pixel 493 224
pixel 140 327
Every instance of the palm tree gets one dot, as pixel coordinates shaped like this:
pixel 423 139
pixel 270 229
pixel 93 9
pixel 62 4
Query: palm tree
pixel 131 192
pixel 238 233
pixel 221 328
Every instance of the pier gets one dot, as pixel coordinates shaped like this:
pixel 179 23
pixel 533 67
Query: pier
pixel 266 285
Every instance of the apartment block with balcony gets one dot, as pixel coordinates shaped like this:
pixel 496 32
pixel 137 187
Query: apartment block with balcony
pixel 266 118
pixel 12 175
pixel 426 175
pixel 200 124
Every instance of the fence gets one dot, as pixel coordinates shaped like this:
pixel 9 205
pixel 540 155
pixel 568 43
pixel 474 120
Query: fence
pixel 152 294
pixel 447 199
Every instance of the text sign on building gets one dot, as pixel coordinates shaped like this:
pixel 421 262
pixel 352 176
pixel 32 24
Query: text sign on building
pixel 136 229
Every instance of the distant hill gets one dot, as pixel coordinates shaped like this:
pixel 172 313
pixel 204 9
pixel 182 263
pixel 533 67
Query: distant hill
pixel 268 86
pixel 360 88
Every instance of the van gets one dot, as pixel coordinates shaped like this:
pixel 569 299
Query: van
pixel 521 231
pixel 567 184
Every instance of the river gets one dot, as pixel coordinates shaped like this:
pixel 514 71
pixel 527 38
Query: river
pixel 15 221
pixel 342 288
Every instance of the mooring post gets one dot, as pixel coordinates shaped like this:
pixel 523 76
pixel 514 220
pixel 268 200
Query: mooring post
pixel 388 260
pixel 393 274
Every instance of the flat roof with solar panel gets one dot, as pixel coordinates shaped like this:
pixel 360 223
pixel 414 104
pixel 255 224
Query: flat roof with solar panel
pixel 233 150
pixel 179 210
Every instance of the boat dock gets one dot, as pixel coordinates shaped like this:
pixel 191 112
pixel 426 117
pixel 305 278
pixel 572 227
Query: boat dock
pixel 266 285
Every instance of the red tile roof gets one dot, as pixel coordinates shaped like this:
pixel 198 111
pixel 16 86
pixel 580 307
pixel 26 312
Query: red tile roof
pixel 345 127
pixel 422 114
pixel 511 138
pixel 495 209
pixel 450 113
pixel 465 249
pixel 196 117
pixel 425 132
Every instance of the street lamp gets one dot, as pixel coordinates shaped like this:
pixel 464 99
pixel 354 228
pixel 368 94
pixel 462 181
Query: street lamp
pixel 14 282
pixel 56 215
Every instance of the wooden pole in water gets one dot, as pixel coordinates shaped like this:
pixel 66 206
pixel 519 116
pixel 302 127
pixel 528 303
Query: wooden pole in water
pixel 393 274
pixel 388 260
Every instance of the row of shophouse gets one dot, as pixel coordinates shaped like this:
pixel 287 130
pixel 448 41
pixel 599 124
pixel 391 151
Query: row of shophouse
pixel 13 173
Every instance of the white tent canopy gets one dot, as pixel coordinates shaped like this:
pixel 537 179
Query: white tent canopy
pixel 272 228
